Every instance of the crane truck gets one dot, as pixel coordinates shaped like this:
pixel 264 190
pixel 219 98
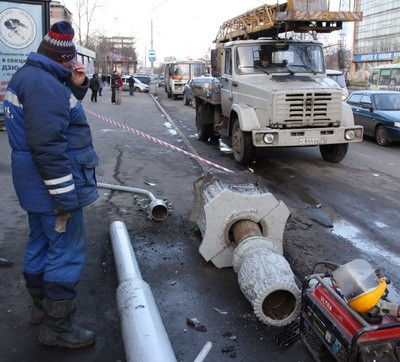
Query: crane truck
pixel 269 90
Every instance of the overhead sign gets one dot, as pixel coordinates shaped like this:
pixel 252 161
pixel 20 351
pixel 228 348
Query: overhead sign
pixel 376 56
pixel 152 55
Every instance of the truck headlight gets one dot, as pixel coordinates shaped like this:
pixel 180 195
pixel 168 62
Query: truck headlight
pixel 269 138
pixel 397 124
pixel 349 135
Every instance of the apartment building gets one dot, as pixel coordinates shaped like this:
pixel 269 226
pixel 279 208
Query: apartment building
pixel 376 37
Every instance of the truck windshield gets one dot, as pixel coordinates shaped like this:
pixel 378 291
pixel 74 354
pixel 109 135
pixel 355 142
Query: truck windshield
pixel 294 58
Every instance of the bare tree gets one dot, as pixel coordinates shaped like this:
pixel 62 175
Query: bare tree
pixel 337 57
pixel 83 15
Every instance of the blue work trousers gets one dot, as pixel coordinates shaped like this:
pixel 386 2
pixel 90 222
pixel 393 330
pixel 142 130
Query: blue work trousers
pixel 54 261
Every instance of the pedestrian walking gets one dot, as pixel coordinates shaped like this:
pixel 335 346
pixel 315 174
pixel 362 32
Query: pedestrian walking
pixel 131 82
pixel 53 171
pixel 94 86
pixel 113 83
pixel 100 84
pixel 116 88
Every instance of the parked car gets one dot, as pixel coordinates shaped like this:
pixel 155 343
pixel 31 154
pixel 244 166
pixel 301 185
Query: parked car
pixel 338 77
pixel 192 83
pixel 143 78
pixel 139 86
pixel 379 113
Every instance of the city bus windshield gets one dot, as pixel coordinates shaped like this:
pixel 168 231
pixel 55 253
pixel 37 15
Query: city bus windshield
pixel 293 58
pixel 187 70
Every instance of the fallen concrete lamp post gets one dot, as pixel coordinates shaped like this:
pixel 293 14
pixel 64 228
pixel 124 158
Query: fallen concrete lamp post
pixel 145 338
pixel 242 226
pixel 143 332
pixel 157 209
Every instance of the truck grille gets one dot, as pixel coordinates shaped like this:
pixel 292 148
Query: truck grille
pixel 307 109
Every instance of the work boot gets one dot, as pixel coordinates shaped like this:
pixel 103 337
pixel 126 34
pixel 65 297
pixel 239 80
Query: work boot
pixel 37 313
pixel 58 329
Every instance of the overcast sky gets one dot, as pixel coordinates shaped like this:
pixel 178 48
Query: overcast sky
pixel 181 28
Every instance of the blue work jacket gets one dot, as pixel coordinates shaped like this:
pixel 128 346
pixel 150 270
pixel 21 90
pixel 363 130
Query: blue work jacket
pixel 53 160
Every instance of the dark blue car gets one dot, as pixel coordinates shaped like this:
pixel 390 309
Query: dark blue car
pixel 379 113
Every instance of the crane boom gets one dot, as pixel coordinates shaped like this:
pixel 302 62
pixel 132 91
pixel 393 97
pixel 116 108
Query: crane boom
pixel 300 16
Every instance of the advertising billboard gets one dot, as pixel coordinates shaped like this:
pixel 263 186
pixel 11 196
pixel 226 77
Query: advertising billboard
pixel 23 25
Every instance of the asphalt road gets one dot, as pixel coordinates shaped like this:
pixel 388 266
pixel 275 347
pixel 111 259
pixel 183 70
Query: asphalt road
pixel 359 190
pixel 354 200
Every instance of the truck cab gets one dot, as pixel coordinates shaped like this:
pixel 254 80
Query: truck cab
pixel 247 76
pixel 272 90
pixel 275 93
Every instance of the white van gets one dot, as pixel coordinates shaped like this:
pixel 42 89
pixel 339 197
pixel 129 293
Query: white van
pixel 338 77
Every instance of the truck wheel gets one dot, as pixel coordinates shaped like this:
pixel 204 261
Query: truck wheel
pixel 242 145
pixel 174 97
pixel 204 130
pixel 334 153
pixel 381 136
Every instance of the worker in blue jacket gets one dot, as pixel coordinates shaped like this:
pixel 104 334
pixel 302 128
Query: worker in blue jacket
pixel 53 170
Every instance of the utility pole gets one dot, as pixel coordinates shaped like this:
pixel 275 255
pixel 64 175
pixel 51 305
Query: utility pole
pixel 151 38
pixel 344 6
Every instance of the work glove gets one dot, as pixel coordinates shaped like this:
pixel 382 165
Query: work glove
pixel 61 221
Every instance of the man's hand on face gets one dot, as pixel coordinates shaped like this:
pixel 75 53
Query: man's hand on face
pixel 78 72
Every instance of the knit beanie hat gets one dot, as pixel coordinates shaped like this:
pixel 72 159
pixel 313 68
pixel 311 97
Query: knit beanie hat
pixel 57 43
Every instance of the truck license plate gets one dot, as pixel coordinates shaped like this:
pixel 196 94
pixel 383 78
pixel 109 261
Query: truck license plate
pixel 313 141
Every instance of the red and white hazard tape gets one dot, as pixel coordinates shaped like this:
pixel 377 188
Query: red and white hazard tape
pixel 156 140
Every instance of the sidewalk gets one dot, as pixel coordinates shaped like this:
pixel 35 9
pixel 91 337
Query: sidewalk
pixel 184 285
pixel 125 159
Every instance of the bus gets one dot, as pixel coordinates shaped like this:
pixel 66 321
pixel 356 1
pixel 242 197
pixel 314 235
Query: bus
pixel 385 77
pixel 178 72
